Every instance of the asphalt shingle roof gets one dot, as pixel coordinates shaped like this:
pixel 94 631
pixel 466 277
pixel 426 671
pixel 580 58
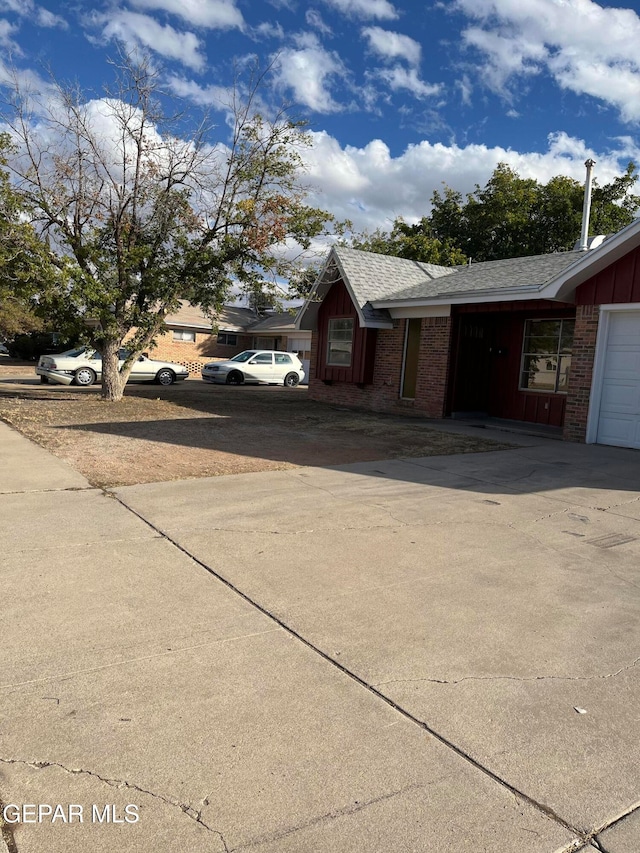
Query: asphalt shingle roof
pixel 231 318
pixel 532 272
pixel 275 321
pixel 373 277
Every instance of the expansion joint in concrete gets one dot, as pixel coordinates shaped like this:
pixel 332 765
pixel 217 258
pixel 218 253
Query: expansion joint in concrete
pixel 543 809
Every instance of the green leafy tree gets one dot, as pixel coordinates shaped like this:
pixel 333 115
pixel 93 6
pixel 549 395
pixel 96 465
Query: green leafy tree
pixel 415 242
pixel 146 215
pixel 26 269
pixel 514 217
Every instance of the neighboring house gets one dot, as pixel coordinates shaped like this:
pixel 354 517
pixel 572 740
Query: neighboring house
pixel 278 331
pixel 552 339
pixel 190 339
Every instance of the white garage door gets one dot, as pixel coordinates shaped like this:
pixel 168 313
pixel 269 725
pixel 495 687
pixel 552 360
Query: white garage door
pixel 619 419
pixel 302 347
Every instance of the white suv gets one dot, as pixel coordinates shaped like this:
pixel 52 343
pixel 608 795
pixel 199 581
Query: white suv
pixel 256 365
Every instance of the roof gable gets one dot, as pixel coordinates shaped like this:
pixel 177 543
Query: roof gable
pixel 368 277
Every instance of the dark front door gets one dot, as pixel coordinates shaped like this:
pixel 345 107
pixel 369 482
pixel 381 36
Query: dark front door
pixel 474 363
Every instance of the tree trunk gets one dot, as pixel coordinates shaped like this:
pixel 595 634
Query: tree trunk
pixel 113 381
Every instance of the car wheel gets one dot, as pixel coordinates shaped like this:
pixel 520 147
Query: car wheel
pixel 85 376
pixel 44 379
pixel 291 380
pixel 235 378
pixel 165 376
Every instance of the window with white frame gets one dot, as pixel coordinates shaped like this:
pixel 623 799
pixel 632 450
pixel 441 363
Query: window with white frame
pixel 340 341
pixel 546 355
pixel 227 339
pixel 184 335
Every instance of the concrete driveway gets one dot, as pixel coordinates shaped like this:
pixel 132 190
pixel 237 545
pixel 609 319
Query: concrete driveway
pixel 418 655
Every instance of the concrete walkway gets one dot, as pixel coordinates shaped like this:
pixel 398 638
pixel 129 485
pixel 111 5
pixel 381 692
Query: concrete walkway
pixel 433 654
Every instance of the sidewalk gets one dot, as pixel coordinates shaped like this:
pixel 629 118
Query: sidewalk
pixel 380 657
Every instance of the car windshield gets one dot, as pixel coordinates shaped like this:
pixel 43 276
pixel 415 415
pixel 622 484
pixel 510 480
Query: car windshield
pixel 74 353
pixel 244 356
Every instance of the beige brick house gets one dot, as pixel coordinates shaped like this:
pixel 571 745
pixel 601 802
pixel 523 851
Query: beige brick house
pixel 190 338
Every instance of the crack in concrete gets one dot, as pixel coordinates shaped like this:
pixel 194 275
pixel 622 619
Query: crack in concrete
pixel 385 509
pixel 127 661
pixel 345 811
pixel 49 491
pixel 301 532
pixel 186 809
pixel 7 841
pixel 622 503
pixel 505 488
pixel 88 544
pixel 620 577
pixel 510 677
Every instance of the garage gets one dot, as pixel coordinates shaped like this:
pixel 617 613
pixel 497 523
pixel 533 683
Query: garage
pixel 619 412
pixel 302 346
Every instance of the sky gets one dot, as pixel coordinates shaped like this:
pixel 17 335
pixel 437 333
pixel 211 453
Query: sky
pixel 400 97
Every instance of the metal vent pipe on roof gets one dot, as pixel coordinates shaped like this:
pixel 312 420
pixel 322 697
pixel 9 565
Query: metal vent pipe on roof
pixel 586 207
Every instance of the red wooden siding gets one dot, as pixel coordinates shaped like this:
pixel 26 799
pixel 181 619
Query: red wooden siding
pixel 531 305
pixel 496 389
pixel 619 282
pixel 338 304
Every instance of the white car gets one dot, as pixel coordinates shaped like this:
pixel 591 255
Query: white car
pixel 83 366
pixel 256 365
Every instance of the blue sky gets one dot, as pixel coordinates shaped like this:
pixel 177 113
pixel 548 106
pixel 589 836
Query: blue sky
pixel 400 96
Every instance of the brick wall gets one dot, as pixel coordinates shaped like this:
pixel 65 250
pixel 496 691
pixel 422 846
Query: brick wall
pixel 579 391
pixel 193 354
pixel 383 394
pixel 433 366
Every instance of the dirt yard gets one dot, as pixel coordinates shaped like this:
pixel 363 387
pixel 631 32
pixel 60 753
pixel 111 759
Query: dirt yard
pixel 199 430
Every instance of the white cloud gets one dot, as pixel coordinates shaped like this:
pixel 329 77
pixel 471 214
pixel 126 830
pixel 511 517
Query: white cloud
pixel 201 95
pixel 509 55
pixel 6 41
pixel 268 30
pixel 398 78
pixel 212 14
pixel 308 71
pixel 314 19
pixel 372 188
pixel 45 18
pixel 380 10
pixel 38 14
pixel 465 88
pixel 133 29
pixel 587 48
pixel 390 45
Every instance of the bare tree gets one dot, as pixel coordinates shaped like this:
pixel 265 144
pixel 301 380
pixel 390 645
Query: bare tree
pixel 142 214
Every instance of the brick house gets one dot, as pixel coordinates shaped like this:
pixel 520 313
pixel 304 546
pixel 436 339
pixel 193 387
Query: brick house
pixel 552 339
pixel 190 339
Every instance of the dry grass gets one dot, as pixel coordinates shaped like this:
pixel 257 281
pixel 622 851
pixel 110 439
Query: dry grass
pixel 199 430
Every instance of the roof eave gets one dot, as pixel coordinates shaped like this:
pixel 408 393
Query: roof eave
pixel 170 324
pixel 593 262
pixel 507 294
